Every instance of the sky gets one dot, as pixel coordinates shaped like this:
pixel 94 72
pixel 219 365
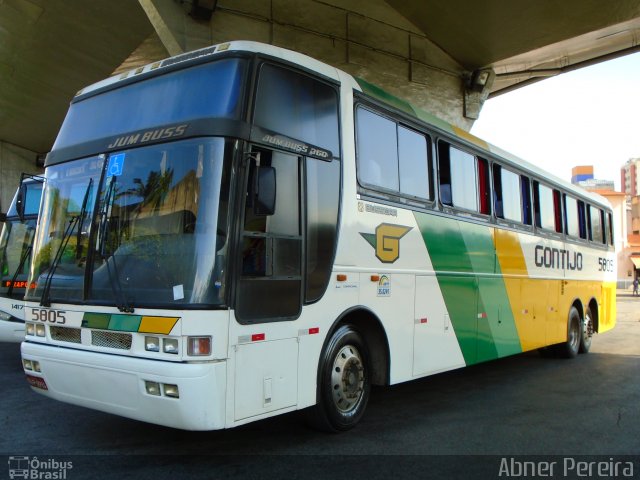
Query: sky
pixel 590 116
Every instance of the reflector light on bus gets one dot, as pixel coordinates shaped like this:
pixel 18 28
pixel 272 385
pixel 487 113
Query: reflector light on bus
pixel 257 337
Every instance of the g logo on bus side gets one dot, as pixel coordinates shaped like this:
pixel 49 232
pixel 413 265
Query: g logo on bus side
pixel 386 241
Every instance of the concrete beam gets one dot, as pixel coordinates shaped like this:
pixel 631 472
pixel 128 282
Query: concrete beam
pixel 178 32
pixel 368 39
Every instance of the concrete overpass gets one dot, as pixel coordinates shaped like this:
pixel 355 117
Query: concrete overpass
pixel 447 56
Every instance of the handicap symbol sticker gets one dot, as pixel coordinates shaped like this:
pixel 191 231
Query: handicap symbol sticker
pixel 116 165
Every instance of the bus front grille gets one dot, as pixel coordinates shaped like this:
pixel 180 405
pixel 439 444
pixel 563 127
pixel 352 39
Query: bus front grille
pixel 121 341
pixel 64 334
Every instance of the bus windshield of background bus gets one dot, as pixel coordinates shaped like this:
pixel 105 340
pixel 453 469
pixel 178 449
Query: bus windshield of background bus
pixel 211 90
pixel 152 233
pixel 16 239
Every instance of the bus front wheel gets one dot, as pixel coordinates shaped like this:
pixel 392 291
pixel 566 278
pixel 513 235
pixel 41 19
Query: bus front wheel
pixel 343 382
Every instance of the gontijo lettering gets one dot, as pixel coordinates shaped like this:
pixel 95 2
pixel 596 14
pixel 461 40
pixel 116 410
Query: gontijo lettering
pixel 548 257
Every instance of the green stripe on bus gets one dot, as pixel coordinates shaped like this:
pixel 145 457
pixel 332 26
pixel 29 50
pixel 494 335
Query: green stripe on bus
pixel 125 323
pixel 464 257
pixel 96 320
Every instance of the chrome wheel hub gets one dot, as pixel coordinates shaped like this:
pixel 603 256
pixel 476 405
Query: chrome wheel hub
pixel 347 378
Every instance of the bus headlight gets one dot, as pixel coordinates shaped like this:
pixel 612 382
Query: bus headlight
pixel 40 330
pixel 152 344
pixel 31 329
pixel 170 345
pixel 28 364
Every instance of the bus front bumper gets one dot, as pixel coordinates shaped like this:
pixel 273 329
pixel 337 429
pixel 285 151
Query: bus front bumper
pixel 119 385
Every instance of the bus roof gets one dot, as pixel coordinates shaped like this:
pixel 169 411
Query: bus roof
pixel 359 84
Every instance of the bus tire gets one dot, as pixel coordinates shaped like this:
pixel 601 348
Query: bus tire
pixel 570 348
pixel 586 332
pixel 344 382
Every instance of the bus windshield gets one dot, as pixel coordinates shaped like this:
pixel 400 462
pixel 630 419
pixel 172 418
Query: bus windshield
pixel 139 227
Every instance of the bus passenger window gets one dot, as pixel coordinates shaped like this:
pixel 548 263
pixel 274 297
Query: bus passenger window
pixel 458 179
pixel 610 229
pixel 557 211
pixel 525 189
pixel 571 218
pixel 582 219
pixel 377 150
pixel 484 186
pixel 545 207
pixel 508 195
pixel 414 165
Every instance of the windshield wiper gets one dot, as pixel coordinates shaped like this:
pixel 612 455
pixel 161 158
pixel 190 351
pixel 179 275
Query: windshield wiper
pixel 82 215
pixel 114 278
pixel 45 300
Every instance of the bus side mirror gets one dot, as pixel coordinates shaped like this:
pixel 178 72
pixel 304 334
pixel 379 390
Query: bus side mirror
pixel 22 195
pixel 265 191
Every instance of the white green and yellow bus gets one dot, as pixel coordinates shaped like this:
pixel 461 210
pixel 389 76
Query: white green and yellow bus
pixel 244 231
pixel 16 242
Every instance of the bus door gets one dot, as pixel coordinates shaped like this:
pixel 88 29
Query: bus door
pixel 269 283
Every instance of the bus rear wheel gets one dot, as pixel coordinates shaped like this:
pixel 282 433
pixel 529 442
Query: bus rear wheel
pixel 570 348
pixel 343 382
pixel 586 332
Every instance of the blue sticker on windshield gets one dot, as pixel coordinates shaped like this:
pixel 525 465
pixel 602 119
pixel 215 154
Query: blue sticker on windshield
pixel 116 165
